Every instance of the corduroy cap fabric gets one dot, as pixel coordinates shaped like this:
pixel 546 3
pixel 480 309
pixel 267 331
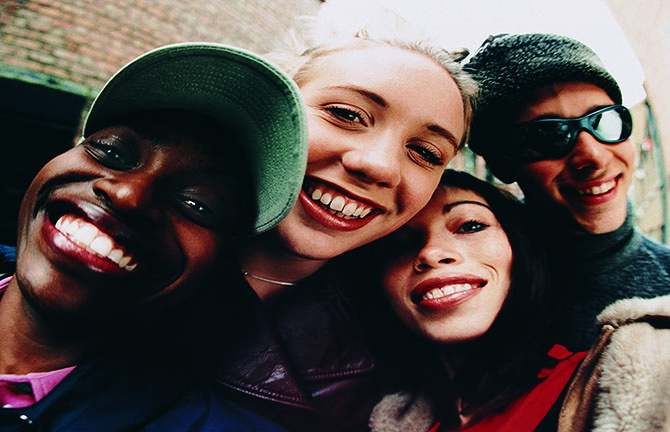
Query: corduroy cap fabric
pixel 509 68
pixel 237 88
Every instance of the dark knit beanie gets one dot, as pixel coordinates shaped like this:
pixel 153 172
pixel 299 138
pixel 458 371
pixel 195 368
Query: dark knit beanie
pixel 509 68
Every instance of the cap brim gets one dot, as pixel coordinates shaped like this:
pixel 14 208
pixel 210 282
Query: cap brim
pixel 235 87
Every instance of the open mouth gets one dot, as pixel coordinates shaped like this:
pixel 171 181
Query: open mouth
pixel 87 227
pixel 95 241
pixel 337 203
pixel 596 190
pixel 446 290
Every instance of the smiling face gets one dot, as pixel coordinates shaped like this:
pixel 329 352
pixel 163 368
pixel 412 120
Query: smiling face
pixel 591 183
pixel 453 276
pixel 383 123
pixel 128 217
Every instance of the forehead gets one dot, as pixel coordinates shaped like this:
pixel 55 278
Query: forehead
pixel 563 100
pixel 371 66
pixel 412 84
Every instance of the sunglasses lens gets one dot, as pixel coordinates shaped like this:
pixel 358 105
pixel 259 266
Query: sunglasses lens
pixel 611 126
pixel 541 140
pixel 555 138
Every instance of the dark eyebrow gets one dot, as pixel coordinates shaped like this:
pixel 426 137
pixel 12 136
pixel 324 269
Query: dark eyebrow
pixel 447 208
pixel 444 133
pixel 374 97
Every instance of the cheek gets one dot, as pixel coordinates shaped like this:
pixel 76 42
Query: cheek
pixel 320 142
pixel 505 258
pixel 25 217
pixel 419 186
pixel 540 176
pixel 495 252
pixel 626 153
pixel 542 171
pixel 202 248
pixel 503 253
pixel 395 281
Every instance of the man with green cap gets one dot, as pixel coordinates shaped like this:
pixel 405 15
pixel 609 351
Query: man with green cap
pixel 121 289
pixel 550 117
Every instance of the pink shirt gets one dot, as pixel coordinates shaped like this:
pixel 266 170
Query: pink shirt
pixel 18 391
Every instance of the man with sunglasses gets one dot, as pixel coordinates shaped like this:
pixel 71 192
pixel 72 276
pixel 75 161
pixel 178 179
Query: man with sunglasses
pixel 550 118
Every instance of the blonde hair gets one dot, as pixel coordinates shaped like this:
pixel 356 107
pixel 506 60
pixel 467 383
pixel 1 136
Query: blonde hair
pixel 302 62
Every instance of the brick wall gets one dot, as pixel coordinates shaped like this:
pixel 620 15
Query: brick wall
pixel 56 54
pixel 77 44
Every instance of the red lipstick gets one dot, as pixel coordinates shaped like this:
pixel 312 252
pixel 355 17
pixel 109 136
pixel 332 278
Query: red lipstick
pixel 446 292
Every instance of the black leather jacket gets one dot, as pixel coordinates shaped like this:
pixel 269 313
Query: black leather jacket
pixel 303 362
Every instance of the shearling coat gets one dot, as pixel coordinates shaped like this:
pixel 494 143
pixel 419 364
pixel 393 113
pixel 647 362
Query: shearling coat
pixel 624 382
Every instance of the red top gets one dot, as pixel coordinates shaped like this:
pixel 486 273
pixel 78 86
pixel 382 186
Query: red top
pixel 526 413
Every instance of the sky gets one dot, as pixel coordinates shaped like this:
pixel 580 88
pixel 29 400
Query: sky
pixel 466 23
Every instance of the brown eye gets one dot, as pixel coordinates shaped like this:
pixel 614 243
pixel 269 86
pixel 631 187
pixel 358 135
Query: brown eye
pixel 111 154
pixel 426 154
pixel 346 114
pixel 471 227
pixel 203 207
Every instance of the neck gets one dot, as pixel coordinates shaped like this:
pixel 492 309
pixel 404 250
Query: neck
pixel 27 345
pixel 267 257
pixel 452 358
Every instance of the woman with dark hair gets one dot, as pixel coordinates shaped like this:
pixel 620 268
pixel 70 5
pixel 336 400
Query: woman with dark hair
pixel 467 277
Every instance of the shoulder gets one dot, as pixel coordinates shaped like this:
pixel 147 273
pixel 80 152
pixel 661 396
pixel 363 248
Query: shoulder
pixel 658 250
pixel 640 334
pixel 403 412
pixel 7 253
pixel 635 367
pixel 626 311
pixel 206 411
pixel 7 260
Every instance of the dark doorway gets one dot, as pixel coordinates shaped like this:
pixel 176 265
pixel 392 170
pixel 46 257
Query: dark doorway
pixel 37 123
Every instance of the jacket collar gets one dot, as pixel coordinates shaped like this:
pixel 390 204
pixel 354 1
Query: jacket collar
pixel 282 353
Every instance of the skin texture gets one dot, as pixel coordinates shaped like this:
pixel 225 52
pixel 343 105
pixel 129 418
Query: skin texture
pixel 454 240
pixel 164 199
pixel 383 123
pixel 556 183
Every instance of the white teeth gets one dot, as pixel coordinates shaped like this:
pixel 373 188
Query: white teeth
pixel 349 209
pixel 115 255
pixel 102 246
pixel 337 203
pixel 85 234
pixel 326 198
pixel 447 290
pixel 598 190
pixel 60 224
pixel 88 236
pixel 72 227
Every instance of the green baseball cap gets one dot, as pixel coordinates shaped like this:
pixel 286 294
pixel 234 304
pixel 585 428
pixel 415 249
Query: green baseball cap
pixel 235 87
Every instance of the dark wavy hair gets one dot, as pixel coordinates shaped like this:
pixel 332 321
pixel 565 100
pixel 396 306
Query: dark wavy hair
pixel 502 364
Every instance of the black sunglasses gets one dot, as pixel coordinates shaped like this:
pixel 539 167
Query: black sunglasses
pixel 555 138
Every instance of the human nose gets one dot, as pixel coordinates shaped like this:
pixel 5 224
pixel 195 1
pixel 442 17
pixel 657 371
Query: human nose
pixel 588 154
pixel 375 162
pixel 130 194
pixel 435 253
